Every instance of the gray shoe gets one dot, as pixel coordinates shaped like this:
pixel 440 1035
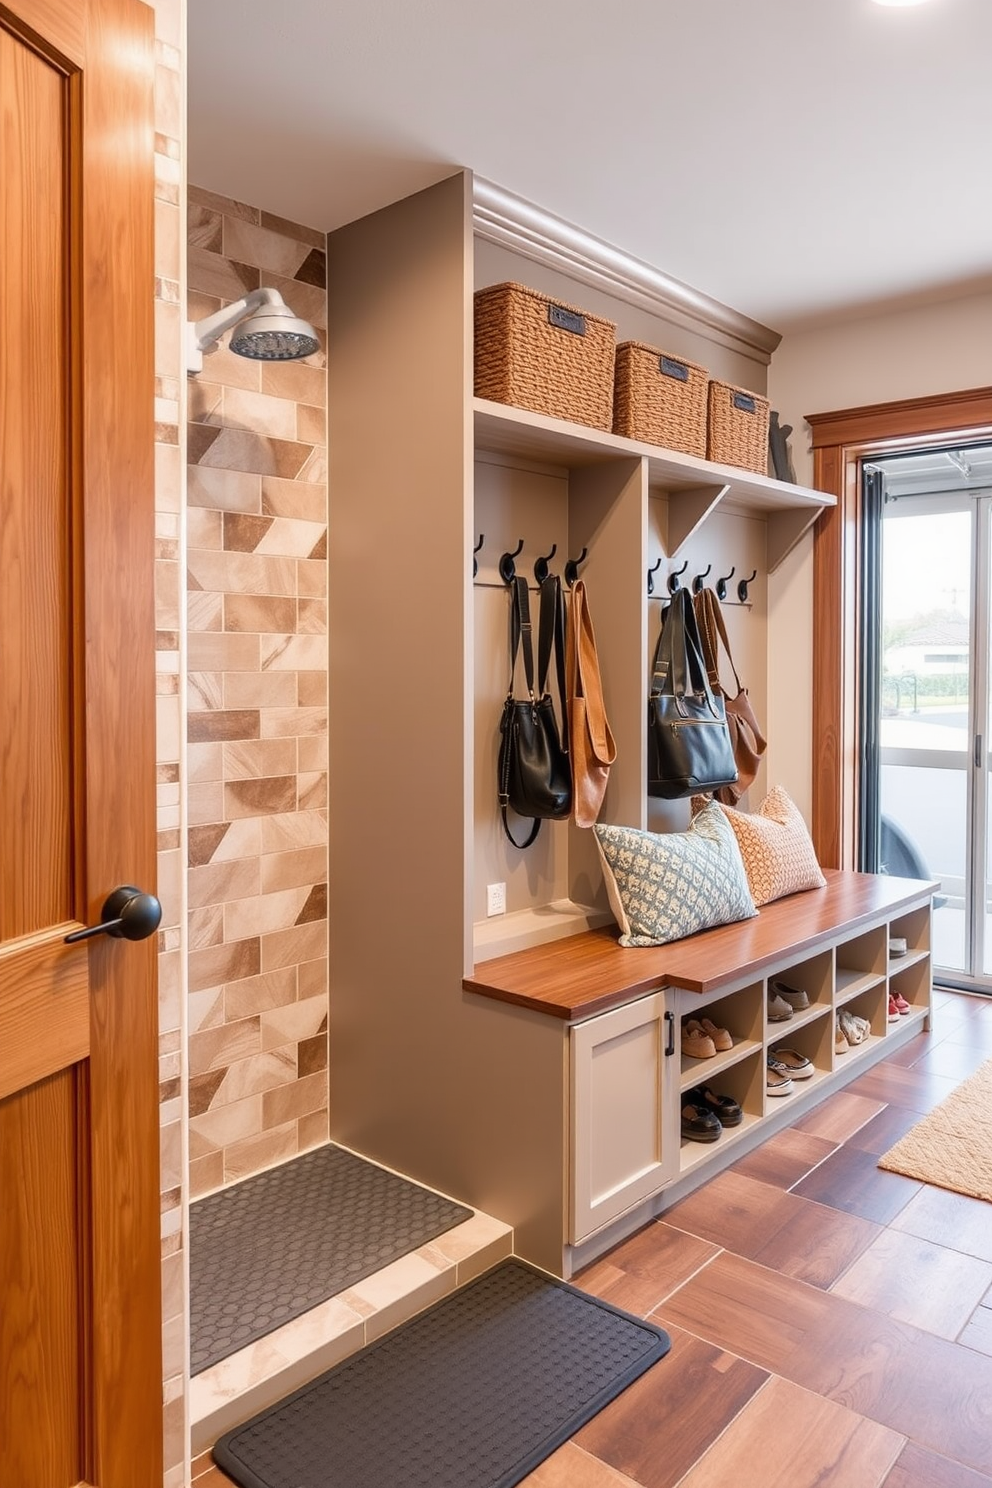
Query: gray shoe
pixel 794 996
pixel 778 1008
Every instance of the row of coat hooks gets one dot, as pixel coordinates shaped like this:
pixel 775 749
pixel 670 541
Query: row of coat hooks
pixel 508 568
pixel 720 584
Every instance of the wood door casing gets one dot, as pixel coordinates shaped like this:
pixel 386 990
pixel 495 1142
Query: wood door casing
pixel 80 1330
pixel 840 441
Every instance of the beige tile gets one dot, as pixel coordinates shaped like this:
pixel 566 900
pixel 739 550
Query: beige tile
pixel 274 251
pixel 224 490
pixel 289 1101
pixel 311 424
pixel 168 476
pixel 205 927
pixel 265 913
pixel 276 795
pixel 313 1129
pixel 314 469
pixel 204 800
pixel 398 1291
pixel 294 830
pixel 260 689
pixel 225 205
pixel 243 839
pixel 206 1174
pixel 258 757
pixel 205 1009
pixel 291 537
pixel 253 612
pixel 222 724
pixel 312 236
pixel 227 1124
pixel 255 1075
pixel 242 573
pixel 312 617
pixel 298 380
pixel 173 1346
pixel 204 610
pixel 167 727
pixel 204 528
pixel 274 989
pixel 216 1048
pixel 206 401
pixel 312 978
pixel 168 338
pixel 261 412
pixel 283 947
pixel 311 689
pixel 289 870
pixel 296 1021
pixel 217 883
pixel 474 1235
pixel 204 227
pixel 170 1156
pixel 243 449
pixel 170 991
pixel 312 577
pixel 173 1286
pixel 166 238
pixel 300 499
pixel 224 652
pixel 206 761
pixel 217 274
pixel 293 653
pixel 204 690
pixel 255 1154
pixel 228 963
pixel 311 791
pixel 310 303
pixel 312 752
pixel 283 723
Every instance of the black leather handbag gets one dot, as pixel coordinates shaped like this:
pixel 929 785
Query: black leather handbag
pixel 689 745
pixel 535 777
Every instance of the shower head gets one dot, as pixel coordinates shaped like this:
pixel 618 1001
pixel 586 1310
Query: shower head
pixel 267 331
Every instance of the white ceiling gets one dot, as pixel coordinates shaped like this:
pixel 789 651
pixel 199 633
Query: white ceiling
pixel 793 159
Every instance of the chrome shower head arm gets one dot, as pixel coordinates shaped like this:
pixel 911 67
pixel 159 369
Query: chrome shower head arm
pixel 203 335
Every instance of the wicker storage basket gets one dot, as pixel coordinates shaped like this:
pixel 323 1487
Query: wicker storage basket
pixel 660 399
pixel 737 428
pixel 537 353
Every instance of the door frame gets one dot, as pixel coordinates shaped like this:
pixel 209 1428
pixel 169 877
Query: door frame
pixel 841 441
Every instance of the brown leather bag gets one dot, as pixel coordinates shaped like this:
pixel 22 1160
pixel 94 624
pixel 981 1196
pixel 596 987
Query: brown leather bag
pixel 591 741
pixel 745 732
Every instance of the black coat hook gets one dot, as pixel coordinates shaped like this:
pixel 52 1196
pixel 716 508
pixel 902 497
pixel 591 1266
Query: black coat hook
pixel 742 587
pixel 674 583
pixel 651 574
pixel 507 567
pixel 721 584
pixel 572 567
pixel 697 582
pixel 475 561
pixel 541 565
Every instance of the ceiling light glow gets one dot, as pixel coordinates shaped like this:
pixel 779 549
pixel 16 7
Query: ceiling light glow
pixel 900 2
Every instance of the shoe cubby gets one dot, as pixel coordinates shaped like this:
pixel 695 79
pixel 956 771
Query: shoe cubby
pixel 813 1038
pixel 744 1082
pixel 815 977
pixel 861 963
pixel 914 929
pixel 741 1015
pixel 873 1005
pixel 912 982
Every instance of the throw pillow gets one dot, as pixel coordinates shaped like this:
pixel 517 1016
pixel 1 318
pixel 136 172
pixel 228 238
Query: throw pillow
pixel 664 885
pixel 776 847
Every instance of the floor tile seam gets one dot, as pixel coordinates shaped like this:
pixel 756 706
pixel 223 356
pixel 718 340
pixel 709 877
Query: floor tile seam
pixel 770 1375
pixel 692 1275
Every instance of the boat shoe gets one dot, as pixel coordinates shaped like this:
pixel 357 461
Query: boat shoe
pixel 794 996
pixel 798 1066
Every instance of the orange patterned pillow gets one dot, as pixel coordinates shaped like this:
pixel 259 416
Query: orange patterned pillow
pixel 778 854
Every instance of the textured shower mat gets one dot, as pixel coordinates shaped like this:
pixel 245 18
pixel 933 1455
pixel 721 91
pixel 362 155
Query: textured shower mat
pixel 472 1393
pixel 270 1248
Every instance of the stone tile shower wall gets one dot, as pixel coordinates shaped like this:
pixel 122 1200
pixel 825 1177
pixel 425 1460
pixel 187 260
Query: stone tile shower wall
pixel 257 712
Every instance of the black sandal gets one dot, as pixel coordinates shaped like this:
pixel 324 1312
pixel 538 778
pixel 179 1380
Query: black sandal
pixel 723 1107
pixel 699 1125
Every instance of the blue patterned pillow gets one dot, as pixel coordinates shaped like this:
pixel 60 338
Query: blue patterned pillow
pixel 665 885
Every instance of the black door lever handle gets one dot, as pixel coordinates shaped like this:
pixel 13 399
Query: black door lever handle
pixel 127 913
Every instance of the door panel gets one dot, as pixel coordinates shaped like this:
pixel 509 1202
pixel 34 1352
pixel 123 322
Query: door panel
pixel 80 1333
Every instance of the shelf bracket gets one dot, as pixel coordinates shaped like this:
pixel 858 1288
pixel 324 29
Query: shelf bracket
pixel 784 529
pixel 688 508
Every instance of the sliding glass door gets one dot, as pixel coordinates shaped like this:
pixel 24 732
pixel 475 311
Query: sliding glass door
pixel 928 728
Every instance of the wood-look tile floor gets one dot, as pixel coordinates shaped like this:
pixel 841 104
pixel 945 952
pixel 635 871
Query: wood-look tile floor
pixel 831 1323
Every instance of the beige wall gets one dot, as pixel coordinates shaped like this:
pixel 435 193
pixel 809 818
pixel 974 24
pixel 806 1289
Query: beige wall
pixel 936 348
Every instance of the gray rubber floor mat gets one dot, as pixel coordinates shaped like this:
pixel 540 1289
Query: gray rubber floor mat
pixel 472 1393
pixel 270 1248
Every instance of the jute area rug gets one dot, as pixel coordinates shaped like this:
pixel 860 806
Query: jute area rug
pixel 952 1145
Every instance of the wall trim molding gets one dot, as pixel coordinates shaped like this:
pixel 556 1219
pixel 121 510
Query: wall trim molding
pixel 498 216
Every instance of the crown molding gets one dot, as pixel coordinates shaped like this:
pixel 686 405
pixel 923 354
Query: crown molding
pixel 499 216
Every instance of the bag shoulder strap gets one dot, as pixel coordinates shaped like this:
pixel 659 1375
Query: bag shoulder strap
pixel 520 635
pixel 678 666
pixel 713 631
pixel 583 675
pixel 551 637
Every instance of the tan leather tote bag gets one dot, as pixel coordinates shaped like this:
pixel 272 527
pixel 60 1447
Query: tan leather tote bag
pixel 591 740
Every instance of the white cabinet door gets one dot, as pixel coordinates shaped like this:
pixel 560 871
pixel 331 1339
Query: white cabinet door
pixel 619 1152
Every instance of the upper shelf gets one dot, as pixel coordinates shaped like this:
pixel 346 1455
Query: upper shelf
pixel 697 486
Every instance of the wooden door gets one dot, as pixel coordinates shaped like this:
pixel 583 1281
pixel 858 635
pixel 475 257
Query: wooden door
pixel 80 1332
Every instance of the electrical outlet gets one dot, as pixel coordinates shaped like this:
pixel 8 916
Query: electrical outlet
pixel 496 899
